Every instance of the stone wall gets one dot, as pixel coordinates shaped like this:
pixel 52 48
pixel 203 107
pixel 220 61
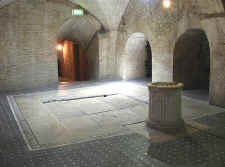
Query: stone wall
pixel 28 59
pixel 107 55
pixel 29 32
pixel 92 54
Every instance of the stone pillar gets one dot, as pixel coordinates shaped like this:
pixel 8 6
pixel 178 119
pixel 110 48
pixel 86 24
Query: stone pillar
pixel 165 106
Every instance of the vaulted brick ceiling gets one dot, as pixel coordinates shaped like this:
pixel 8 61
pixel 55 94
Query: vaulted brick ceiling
pixel 79 29
pixel 109 12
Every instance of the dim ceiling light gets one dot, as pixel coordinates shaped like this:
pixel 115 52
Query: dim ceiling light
pixel 166 3
pixel 59 47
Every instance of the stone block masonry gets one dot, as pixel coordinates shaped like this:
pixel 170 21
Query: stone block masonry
pixel 28 33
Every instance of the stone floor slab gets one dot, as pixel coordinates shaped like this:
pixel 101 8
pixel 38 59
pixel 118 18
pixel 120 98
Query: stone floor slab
pixel 63 122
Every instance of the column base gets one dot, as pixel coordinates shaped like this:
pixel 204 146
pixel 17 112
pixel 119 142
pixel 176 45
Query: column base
pixel 176 127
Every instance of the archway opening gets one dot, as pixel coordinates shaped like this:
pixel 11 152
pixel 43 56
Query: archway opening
pixel 76 47
pixel 223 1
pixel 137 59
pixel 72 62
pixel 192 61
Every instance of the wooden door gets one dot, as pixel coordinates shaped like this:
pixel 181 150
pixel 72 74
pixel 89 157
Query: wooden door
pixel 68 71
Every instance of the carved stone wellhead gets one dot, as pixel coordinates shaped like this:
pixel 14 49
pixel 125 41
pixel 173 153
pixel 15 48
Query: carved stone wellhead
pixel 165 106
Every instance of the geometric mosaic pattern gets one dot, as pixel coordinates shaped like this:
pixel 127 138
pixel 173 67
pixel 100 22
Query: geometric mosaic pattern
pixel 130 150
pixel 214 124
pixel 196 148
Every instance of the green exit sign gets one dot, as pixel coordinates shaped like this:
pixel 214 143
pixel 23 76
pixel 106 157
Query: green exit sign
pixel 77 12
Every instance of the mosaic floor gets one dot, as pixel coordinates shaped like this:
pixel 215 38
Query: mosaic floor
pixel 55 118
pixel 103 125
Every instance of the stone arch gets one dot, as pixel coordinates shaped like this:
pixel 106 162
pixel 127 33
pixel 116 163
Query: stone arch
pixel 135 57
pixel 80 29
pixel 191 63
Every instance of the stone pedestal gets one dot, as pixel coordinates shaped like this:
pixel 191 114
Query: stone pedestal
pixel 165 106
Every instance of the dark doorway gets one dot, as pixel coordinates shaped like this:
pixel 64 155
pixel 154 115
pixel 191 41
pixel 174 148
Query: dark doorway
pixel 192 60
pixel 72 63
pixel 148 62
pixel 223 1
